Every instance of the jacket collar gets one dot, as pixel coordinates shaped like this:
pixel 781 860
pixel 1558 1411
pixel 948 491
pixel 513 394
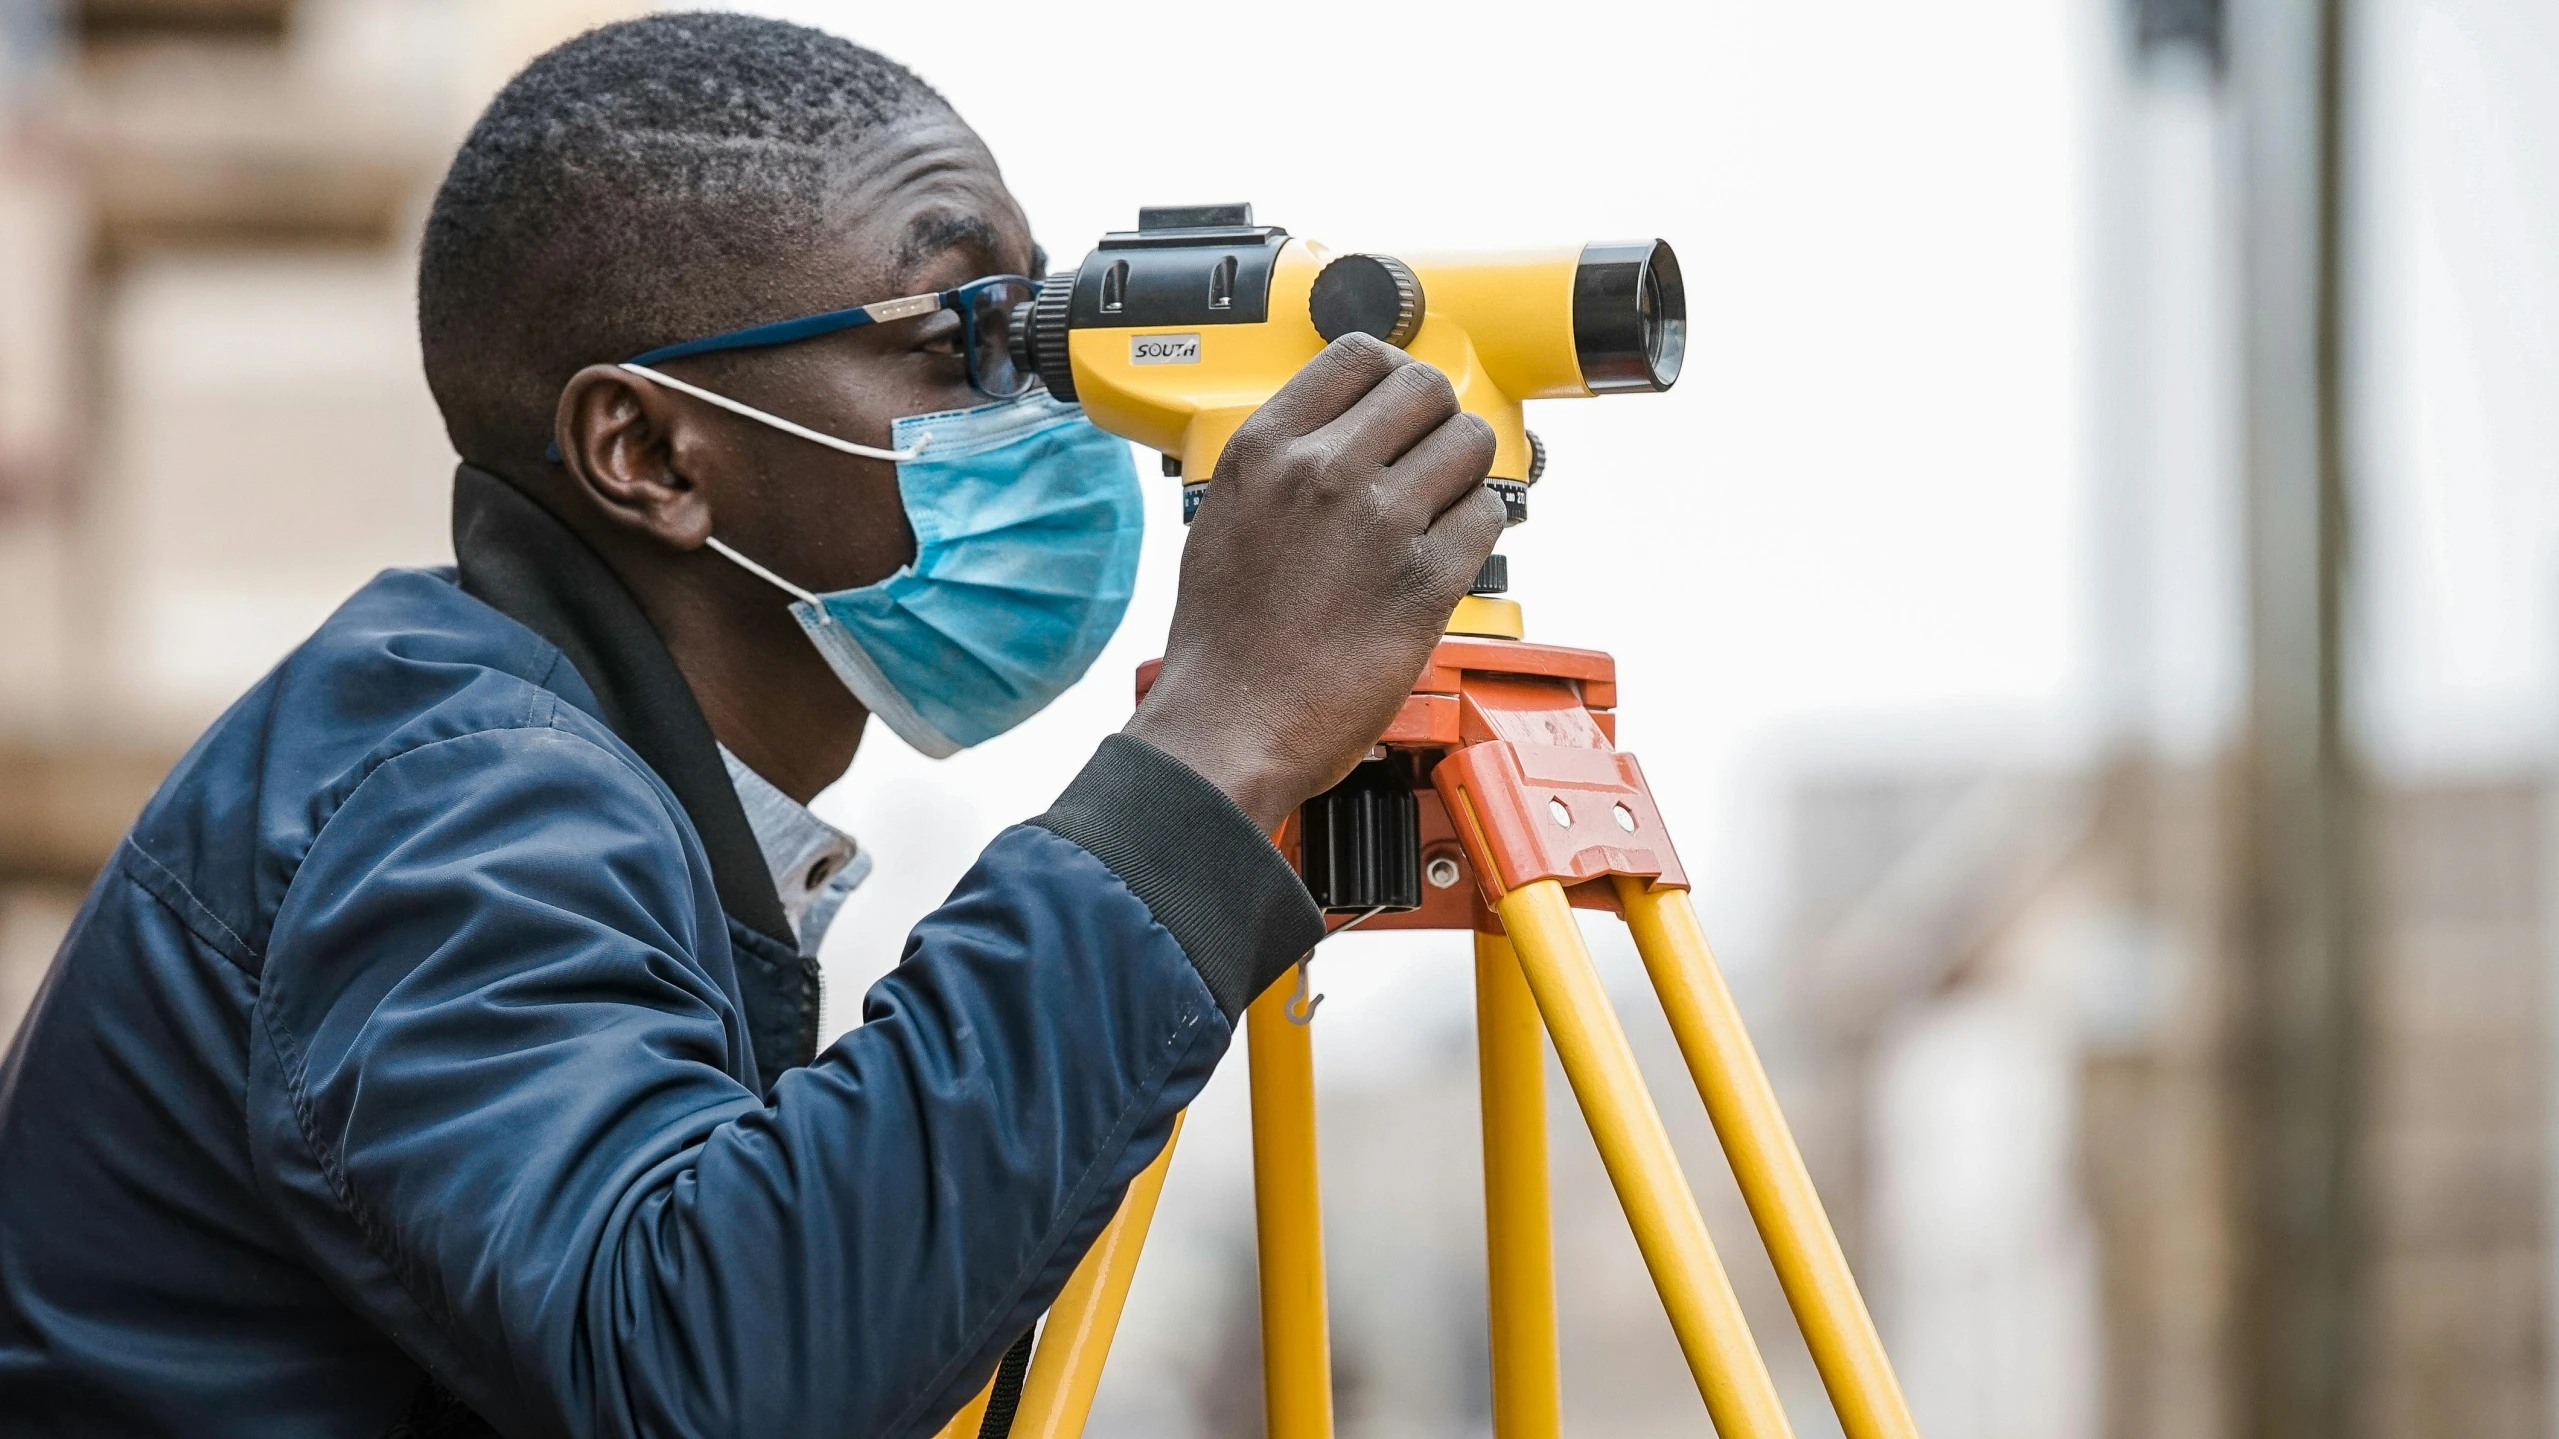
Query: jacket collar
pixel 519 559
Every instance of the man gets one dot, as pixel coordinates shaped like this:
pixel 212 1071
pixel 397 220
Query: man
pixel 437 1051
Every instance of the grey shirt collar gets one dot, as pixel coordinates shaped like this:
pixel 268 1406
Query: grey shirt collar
pixel 814 864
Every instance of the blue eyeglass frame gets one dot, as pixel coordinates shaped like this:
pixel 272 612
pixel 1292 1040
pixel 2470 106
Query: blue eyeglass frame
pixel 808 327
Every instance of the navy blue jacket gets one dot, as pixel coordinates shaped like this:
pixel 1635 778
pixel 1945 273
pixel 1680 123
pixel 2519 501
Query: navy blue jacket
pixel 433 1053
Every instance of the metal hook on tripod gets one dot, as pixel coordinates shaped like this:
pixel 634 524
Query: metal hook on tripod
pixel 1300 1009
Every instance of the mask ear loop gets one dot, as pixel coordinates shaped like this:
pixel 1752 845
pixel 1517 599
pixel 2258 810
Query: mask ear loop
pixel 761 573
pixel 785 426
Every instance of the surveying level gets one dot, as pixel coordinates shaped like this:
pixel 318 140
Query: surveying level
pixel 1172 333
pixel 1496 803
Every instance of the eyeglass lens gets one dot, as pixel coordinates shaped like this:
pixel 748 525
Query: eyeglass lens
pixel 990 331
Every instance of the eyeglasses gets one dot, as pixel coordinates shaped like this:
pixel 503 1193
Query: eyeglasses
pixel 986 316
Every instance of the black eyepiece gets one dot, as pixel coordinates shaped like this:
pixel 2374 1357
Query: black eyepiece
pixel 1038 340
pixel 1630 316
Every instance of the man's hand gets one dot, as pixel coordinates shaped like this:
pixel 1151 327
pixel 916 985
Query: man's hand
pixel 1348 517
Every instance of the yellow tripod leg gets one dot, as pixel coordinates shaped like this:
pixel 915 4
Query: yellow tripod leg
pixel 1297 1353
pixel 1057 1395
pixel 1519 1229
pixel 1636 1149
pixel 1765 1162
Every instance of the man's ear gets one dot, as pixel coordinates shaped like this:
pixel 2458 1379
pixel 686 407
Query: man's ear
pixel 627 446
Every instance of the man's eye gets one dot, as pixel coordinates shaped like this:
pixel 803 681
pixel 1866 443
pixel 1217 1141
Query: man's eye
pixel 939 333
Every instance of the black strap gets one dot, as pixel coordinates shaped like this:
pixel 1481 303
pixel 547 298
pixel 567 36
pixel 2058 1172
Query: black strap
pixel 1007 1394
pixel 436 1414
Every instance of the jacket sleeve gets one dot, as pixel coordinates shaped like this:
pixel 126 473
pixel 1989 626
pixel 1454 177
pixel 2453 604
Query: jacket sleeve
pixel 493 1090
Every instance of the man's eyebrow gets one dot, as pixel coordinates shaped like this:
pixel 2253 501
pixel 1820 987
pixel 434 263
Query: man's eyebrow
pixel 932 235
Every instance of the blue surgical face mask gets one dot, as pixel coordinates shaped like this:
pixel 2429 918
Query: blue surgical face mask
pixel 1027 522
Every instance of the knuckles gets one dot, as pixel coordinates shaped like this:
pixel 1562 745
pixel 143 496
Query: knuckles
pixel 1424 389
pixel 1248 450
pixel 1316 462
pixel 1357 361
pixel 1326 387
pixel 1342 462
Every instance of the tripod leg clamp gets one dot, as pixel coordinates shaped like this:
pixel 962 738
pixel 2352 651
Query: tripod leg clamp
pixel 1579 816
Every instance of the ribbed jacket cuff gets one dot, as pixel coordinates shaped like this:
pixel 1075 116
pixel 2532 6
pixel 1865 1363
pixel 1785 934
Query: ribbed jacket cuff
pixel 1194 859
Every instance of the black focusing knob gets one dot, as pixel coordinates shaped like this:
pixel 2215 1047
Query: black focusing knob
pixel 1367 295
pixel 1493 578
pixel 1536 456
pixel 1362 842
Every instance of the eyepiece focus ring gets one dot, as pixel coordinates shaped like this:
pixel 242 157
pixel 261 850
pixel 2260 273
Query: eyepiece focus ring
pixel 1039 335
pixel 1630 316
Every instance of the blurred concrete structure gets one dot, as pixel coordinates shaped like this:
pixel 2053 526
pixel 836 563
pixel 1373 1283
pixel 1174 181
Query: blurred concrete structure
pixel 2029 982
pixel 207 221
pixel 2215 1078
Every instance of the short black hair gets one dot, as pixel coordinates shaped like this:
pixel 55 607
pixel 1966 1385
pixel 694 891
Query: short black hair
pixel 633 187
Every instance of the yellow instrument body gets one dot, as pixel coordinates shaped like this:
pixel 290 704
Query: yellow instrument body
pixel 1173 333
pixel 1499 326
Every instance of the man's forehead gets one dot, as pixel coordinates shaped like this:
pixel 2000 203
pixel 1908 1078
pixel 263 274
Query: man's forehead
pixel 940 231
pixel 927 192
pixel 931 246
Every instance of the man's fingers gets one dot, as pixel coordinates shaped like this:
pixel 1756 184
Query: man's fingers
pixel 1463 535
pixel 1450 460
pixel 1330 384
pixel 1394 416
pixel 1473 526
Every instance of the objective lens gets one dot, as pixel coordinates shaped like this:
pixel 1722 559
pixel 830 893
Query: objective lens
pixel 1630 316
